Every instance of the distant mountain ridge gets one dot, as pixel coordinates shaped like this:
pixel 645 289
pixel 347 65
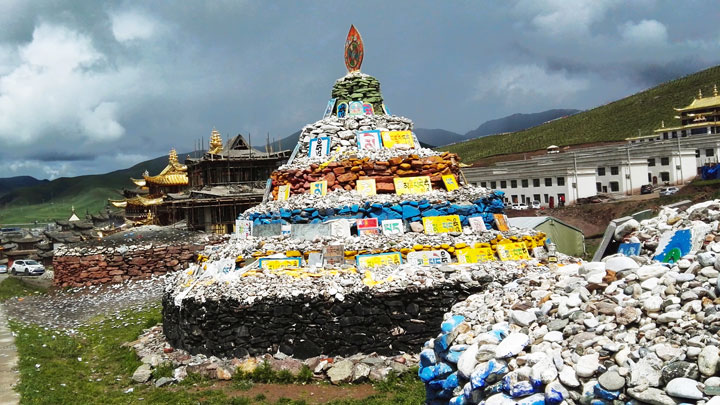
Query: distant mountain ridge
pixel 518 122
pixel 9 184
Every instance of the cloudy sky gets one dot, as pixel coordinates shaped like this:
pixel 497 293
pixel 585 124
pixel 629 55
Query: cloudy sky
pixel 88 87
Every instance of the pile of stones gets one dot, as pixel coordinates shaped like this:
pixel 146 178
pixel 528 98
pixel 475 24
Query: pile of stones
pixel 357 86
pixel 628 329
pixel 154 351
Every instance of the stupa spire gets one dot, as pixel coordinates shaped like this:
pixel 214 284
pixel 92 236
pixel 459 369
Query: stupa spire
pixel 354 50
pixel 216 143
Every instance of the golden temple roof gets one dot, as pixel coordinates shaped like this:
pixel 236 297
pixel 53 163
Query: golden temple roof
pixel 138 200
pixel 174 174
pixel 138 182
pixel 703 102
pixel 216 143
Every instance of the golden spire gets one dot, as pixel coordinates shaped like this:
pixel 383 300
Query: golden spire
pixel 715 92
pixel 662 124
pixel 173 158
pixel 216 143
pixel 699 93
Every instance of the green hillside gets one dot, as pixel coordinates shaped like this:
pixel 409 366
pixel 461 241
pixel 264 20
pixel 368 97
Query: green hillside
pixel 611 122
pixel 53 200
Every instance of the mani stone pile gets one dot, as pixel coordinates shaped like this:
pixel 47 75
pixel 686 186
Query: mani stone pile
pixel 627 329
pixel 233 280
pixel 357 86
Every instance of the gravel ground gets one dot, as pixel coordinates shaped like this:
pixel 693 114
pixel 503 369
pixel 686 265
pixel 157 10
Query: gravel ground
pixel 70 309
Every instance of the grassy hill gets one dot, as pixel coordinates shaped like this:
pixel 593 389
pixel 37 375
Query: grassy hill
pixel 52 200
pixel 9 184
pixel 611 122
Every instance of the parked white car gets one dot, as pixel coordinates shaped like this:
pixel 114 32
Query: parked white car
pixel 665 191
pixel 535 205
pixel 3 269
pixel 27 267
pixel 521 207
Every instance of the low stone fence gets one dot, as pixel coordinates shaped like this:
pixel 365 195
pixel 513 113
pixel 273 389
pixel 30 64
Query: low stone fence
pixel 364 322
pixel 84 266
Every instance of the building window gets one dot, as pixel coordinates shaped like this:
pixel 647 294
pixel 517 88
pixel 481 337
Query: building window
pixel 665 161
pixel 525 183
pixel 601 171
pixel 614 170
pixel 614 186
pixel 651 162
pixel 483 184
pixel 503 183
pixel 561 181
pixel 547 199
pixel 536 182
pixel 513 183
pixel 664 176
pixel 598 187
pixel 536 197
pixel 697 153
pixel 493 184
pixel 709 152
pixel 548 181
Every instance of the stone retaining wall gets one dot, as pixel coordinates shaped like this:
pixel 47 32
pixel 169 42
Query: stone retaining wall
pixel 362 323
pixel 98 265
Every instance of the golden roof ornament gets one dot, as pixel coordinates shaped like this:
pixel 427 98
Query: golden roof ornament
pixel 173 158
pixel 216 143
pixel 715 92
pixel 354 50
pixel 699 93
pixel 662 124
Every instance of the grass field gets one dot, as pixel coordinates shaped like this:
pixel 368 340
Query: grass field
pixel 92 201
pixel 641 112
pixel 92 367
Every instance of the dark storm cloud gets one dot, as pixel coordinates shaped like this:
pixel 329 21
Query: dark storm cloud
pixel 87 87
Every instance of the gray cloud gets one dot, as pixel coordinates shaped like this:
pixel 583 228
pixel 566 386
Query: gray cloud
pixel 88 87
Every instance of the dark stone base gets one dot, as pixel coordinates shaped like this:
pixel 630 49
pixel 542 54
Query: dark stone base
pixel 387 323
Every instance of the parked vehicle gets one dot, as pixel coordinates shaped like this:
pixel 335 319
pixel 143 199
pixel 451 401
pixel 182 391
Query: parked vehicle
pixel 3 269
pixel 535 205
pixel 27 267
pixel 646 189
pixel 521 207
pixel 665 191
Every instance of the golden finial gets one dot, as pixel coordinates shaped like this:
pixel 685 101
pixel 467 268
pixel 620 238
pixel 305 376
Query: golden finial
pixel 699 93
pixel 173 158
pixel 216 143
pixel 662 124
pixel 715 93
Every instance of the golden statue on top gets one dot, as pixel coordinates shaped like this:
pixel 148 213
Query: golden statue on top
pixel 216 143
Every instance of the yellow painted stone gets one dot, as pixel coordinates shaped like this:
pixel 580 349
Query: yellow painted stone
pixel 460 245
pixel 293 253
pixel 418 247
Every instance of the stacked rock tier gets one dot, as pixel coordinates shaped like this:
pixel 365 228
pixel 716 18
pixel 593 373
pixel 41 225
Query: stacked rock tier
pixel 358 86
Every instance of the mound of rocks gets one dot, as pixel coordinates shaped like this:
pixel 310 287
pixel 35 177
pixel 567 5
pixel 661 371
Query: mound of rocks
pixel 628 329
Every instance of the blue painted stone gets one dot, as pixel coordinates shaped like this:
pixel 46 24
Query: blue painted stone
pixel 451 323
pixel 344 210
pixel 536 399
pixel 458 400
pixel 553 396
pixel 436 384
pixel 397 208
pixel 426 373
pixel 432 212
pixel 487 373
pixel 427 358
pixel 451 382
pixel 454 355
pixel 296 211
pixel 441 342
pixel 598 401
pixel 413 203
pixel 354 208
pixel 316 221
pixel 376 205
pixel 424 206
pixel 519 389
pixel 442 370
pixel 605 394
pixel 408 211
pixel 450 210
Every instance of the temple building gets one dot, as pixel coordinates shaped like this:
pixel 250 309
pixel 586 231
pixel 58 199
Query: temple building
pixel 228 179
pixel 143 205
pixel 209 191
